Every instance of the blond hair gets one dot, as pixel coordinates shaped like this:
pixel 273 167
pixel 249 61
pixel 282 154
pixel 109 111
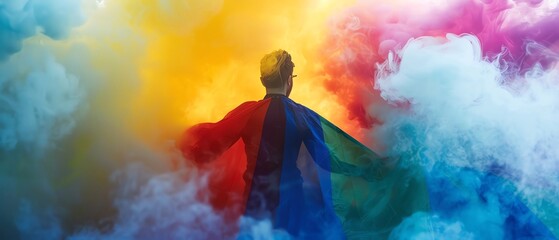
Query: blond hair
pixel 275 68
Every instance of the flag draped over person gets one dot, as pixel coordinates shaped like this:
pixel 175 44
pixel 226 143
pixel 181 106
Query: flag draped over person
pixel 278 160
pixel 275 159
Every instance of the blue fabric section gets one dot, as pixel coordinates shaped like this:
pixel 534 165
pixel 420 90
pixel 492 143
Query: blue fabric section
pixel 292 212
pixel 456 193
pixel 305 209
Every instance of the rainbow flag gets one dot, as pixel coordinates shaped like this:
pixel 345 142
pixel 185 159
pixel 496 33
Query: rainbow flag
pixel 278 160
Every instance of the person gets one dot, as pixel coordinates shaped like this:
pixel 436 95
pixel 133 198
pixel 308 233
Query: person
pixel 278 160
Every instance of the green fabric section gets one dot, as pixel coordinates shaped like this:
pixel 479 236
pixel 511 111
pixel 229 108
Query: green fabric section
pixel 371 195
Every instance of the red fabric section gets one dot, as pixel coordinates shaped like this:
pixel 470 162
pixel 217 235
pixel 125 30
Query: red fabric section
pixel 205 142
pixel 251 138
pixel 223 149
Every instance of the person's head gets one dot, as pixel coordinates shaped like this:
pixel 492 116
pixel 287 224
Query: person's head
pixel 276 72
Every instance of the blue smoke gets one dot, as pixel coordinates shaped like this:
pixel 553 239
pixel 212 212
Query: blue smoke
pixel 21 19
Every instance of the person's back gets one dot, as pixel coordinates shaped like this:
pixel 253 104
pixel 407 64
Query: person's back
pixel 282 183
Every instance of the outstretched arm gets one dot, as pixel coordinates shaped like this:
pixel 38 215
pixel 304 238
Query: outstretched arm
pixel 205 142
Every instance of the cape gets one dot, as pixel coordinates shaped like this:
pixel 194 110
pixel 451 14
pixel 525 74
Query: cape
pixel 278 160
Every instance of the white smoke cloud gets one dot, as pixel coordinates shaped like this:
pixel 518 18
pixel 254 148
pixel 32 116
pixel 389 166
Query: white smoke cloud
pixel 39 99
pixel 260 229
pixel 171 205
pixel 466 110
pixel 423 226
pixel 458 109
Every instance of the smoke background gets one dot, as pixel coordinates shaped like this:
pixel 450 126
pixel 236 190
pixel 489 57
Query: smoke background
pixel 465 116
pixel 93 93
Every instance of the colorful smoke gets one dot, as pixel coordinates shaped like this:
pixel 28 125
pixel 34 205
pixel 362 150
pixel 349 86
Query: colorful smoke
pixel 522 33
pixel 93 94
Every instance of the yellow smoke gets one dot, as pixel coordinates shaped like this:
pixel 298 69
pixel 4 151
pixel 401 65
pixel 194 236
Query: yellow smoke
pixel 152 68
pixel 157 67
pixel 202 57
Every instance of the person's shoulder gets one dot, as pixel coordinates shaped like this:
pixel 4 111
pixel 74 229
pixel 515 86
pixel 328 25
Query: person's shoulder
pixel 245 107
pixel 300 107
pixel 247 104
